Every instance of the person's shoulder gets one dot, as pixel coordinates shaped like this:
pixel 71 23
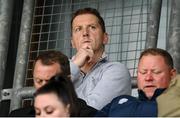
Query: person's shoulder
pixel 115 64
pixel 121 106
pixel 130 106
pixel 175 81
pixel 124 99
pixel 84 109
pixel 23 112
pixel 82 103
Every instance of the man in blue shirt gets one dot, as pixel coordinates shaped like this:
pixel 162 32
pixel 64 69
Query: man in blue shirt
pixel 96 79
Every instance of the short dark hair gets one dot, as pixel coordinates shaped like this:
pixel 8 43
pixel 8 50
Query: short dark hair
pixel 51 57
pixel 64 89
pixel 157 51
pixel 89 11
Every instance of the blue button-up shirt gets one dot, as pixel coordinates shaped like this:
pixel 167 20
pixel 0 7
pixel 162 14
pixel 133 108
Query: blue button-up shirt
pixel 105 81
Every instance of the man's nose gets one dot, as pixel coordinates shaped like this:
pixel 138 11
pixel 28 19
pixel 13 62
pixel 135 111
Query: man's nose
pixel 149 77
pixel 85 32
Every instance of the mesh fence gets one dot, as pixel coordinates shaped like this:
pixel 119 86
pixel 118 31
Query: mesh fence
pixel 126 24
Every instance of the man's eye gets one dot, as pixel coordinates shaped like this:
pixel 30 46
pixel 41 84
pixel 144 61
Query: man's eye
pixel 142 72
pixel 77 29
pixel 39 81
pixel 93 27
pixel 156 72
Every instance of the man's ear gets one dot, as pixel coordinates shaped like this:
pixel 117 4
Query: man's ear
pixel 173 73
pixel 105 39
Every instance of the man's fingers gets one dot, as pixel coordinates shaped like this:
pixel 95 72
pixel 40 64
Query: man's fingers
pixel 88 52
pixel 83 56
pixel 87 47
pixel 90 55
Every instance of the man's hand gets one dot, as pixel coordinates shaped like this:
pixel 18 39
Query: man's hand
pixel 83 56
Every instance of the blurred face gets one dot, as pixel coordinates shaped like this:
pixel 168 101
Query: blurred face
pixel 43 73
pixel 153 73
pixel 87 32
pixel 48 105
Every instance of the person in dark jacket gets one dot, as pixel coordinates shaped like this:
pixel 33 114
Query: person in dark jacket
pixel 155 71
pixel 47 65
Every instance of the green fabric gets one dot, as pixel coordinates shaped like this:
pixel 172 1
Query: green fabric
pixel 169 101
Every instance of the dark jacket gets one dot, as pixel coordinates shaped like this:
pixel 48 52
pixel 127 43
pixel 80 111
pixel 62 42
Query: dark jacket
pixel 23 112
pixel 84 110
pixel 128 106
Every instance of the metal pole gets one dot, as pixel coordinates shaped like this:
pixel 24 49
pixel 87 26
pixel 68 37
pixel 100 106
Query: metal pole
pixel 26 92
pixel 173 41
pixel 22 53
pixel 153 24
pixel 6 7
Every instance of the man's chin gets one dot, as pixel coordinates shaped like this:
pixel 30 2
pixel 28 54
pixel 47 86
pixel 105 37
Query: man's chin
pixel 149 92
pixel 87 45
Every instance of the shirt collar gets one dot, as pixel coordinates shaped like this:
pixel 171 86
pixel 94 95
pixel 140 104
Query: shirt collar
pixel 103 57
pixel 143 97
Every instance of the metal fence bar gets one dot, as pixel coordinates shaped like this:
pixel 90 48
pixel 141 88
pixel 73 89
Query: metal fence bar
pixel 153 24
pixel 22 53
pixel 25 92
pixel 6 7
pixel 173 40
